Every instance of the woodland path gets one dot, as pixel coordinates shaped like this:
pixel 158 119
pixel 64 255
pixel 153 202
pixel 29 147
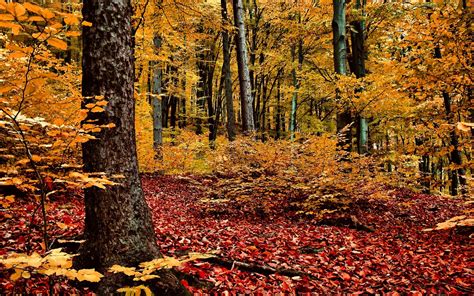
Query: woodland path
pixel 398 257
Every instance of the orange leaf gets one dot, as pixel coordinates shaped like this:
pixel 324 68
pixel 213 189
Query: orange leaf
pixel 55 42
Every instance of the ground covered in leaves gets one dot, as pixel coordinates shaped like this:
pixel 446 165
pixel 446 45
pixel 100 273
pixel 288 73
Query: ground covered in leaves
pixel 257 232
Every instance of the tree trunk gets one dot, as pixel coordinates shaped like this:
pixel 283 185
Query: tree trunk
pixel 156 103
pixel 231 130
pixel 344 118
pixel 118 224
pixel 296 85
pixel 243 68
pixel 358 68
pixel 278 116
pixel 458 176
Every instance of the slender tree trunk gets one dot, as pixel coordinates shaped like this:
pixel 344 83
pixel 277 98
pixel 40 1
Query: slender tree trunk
pixel 231 130
pixel 242 63
pixel 156 102
pixel 296 85
pixel 278 116
pixel 118 225
pixel 344 118
pixel 358 68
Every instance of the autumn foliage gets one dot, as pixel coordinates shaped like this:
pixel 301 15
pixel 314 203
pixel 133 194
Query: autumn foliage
pixel 292 206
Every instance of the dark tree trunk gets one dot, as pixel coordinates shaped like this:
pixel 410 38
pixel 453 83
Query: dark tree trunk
pixel 118 224
pixel 278 117
pixel 358 68
pixel 155 100
pixel 243 68
pixel 231 130
pixel 458 177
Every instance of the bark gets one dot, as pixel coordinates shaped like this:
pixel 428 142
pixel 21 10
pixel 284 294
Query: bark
pixel 358 68
pixel 278 117
pixel 118 225
pixel 156 103
pixel 243 68
pixel 296 85
pixel 231 130
pixel 344 118
pixel 458 176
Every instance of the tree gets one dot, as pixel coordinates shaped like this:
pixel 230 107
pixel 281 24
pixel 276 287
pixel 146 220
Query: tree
pixel 231 132
pixel 118 225
pixel 358 68
pixel 344 119
pixel 243 68
pixel 155 84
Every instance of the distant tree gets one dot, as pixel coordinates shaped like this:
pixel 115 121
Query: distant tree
pixel 231 131
pixel 344 119
pixel 243 68
pixel 118 224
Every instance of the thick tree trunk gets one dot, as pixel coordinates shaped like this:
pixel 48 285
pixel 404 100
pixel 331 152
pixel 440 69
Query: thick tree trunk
pixel 243 68
pixel 118 225
pixel 231 130
pixel 344 118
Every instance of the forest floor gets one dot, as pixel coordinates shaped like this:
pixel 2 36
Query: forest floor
pixel 274 249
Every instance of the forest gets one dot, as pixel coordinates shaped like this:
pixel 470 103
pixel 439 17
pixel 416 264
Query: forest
pixel 236 147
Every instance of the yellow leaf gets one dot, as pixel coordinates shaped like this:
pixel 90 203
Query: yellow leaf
pixel 25 274
pixel 36 18
pixel 47 13
pixel 55 42
pixel 89 275
pixel 465 126
pixel 102 103
pixel 71 20
pixel 40 36
pixel 19 10
pixel 17 55
pixel 15 276
pixel 97 109
pixel 145 277
pixel 16 30
pixel 90 105
pixel 58 121
pixel 130 271
pixel 73 34
pixel 36 158
pixel 86 24
pixel 32 7
pixel 6 17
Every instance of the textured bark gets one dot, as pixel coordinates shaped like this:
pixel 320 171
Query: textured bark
pixel 358 68
pixel 156 106
pixel 344 118
pixel 118 225
pixel 156 102
pixel 231 130
pixel 243 68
